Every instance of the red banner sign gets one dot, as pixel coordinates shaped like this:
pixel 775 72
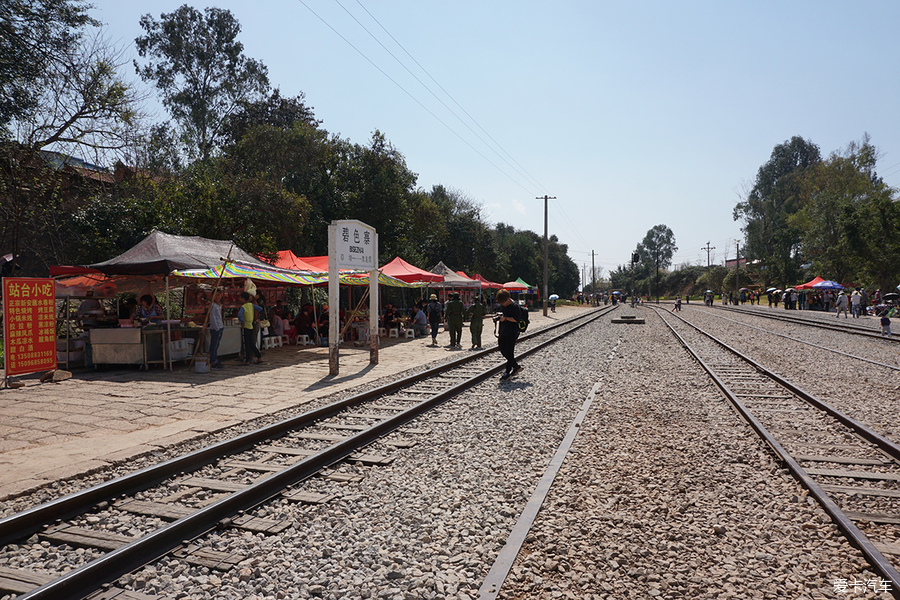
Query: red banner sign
pixel 29 325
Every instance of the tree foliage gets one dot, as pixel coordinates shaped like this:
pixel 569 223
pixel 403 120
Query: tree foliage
pixel 69 98
pixel 200 70
pixel 847 218
pixel 766 212
pixel 34 34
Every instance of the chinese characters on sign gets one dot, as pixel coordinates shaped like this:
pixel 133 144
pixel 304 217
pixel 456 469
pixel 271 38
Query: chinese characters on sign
pixel 29 325
pixel 355 246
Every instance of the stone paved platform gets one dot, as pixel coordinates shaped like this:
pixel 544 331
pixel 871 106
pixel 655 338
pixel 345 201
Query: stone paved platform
pixel 54 431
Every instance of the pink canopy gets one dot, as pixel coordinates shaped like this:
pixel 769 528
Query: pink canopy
pixel 402 270
pixel 808 284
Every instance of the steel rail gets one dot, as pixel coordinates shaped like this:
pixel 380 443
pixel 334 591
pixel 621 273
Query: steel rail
pixel 793 339
pixel 77 584
pixel 851 329
pixel 30 521
pixel 876 559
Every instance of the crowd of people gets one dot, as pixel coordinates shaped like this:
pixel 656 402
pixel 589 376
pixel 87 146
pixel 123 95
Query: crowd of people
pixel 257 319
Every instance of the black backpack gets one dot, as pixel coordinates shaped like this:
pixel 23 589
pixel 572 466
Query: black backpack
pixel 523 318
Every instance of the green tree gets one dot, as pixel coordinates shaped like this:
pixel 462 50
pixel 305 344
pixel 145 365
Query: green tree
pixel 75 102
pixel 274 111
pixel 35 34
pixel 847 215
pixel 776 195
pixel 656 252
pixel 199 68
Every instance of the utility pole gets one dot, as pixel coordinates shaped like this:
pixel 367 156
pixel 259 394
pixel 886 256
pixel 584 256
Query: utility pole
pixel 707 248
pixel 737 268
pixel 583 281
pixel 657 274
pixel 546 253
pixel 593 281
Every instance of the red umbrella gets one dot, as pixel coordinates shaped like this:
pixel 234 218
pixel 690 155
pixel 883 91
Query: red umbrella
pixel 515 286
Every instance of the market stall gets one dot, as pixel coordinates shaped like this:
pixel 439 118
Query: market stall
pixel 147 270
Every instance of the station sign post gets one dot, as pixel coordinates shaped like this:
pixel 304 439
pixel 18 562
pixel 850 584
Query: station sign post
pixel 351 245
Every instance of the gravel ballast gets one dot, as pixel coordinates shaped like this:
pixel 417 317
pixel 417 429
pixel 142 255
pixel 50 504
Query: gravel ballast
pixel 666 493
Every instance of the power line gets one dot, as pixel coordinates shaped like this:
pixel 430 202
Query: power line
pixel 521 170
pixel 416 100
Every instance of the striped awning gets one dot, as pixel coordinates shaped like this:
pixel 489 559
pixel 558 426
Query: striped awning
pixel 286 276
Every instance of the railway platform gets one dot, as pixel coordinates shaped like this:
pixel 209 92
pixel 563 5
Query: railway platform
pixel 54 431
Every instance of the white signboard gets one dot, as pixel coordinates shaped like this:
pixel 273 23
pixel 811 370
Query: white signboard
pixel 355 246
pixel 351 245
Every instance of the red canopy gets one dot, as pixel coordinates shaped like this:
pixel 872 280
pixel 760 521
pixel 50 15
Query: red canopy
pixel 808 284
pixel 319 262
pixel 486 283
pixel 288 260
pixel 402 270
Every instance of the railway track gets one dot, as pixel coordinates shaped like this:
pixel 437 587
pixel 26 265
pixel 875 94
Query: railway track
pixel 843 325
pixel 848 468
pixel 893 367
pixel 172 504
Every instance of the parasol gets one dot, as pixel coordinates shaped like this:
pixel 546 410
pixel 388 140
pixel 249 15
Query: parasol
pixel 554 297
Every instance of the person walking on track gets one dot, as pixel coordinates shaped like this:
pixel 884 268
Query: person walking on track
pixel 508 319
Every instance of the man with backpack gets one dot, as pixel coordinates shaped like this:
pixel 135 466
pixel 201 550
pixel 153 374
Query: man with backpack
pixel 508 318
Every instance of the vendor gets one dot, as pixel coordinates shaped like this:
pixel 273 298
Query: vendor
pixel 127 308
pixel 149 309
pixel 88 311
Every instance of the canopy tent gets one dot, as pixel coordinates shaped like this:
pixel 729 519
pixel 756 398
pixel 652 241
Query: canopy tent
pixel 452 279
pixel 522 281
pixel 827 285
pixel 319 262
pixel 515 286
pixel 808 284
pixel 487 284
pixel 161 253
pixel 400 269
pixel 288 260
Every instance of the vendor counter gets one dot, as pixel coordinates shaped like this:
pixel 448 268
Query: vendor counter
pixel 155 344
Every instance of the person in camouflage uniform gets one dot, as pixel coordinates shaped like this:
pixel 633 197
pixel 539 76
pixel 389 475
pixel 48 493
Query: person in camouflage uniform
pixel 476 314
pixel 454 313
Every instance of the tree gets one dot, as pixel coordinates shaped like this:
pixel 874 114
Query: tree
pixel 76 103
pixel 199 67
pixel 775 196
pixel 274 111
pixel 846 218
pixel 33 35
pixel 656 251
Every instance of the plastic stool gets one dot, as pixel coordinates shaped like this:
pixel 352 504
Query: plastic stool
pixel 268 343
pixel 394 333
pixel 382 331
pixel 410 334
pixel 285 341
pixel 303 340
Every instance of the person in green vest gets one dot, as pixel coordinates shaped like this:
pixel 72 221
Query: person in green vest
pixel 476 314
pixel 246 318
pixel 455 311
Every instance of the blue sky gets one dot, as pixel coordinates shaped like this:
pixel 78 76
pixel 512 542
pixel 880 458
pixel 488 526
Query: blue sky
pixel 631 113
